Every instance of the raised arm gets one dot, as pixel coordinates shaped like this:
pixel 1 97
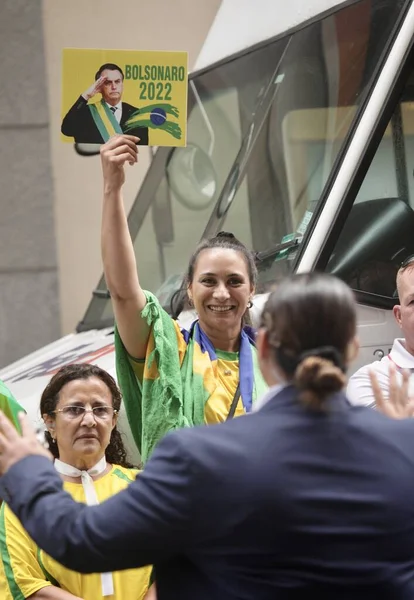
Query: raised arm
pixel 118 254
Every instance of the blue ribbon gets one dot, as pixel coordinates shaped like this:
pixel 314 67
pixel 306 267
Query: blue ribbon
pixel 246 374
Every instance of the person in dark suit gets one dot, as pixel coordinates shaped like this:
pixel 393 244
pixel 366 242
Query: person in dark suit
pixel 80 121
pixel 307 497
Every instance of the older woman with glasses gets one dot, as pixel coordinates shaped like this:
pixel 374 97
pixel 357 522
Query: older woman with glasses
pixel 80 409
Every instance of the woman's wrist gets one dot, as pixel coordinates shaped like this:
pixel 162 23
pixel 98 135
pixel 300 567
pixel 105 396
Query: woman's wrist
pixel 112 189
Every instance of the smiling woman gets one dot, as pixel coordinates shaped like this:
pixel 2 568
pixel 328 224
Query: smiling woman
pixel 79 407
pixel 171 377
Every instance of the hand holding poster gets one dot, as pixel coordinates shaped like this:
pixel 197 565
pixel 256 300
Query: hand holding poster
pixel 107 92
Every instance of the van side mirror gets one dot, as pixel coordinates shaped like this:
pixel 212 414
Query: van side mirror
pixel 192 178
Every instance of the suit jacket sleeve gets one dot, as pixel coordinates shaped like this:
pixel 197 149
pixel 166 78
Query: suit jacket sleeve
pixel 73 120
pixel 147 522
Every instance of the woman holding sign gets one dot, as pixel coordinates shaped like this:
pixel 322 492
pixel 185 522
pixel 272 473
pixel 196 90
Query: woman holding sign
pixel 172 378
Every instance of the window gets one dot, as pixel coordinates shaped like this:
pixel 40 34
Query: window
pixel 322 79
pixel 379 231
pixel 264 132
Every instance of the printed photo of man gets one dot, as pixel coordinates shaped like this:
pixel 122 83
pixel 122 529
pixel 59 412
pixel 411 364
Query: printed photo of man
pixel 96 122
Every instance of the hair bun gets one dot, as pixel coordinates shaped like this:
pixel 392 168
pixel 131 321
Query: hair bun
pixel 226 234
pixel 317 378
pixel 327 352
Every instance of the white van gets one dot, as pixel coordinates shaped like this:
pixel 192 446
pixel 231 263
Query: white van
pixel 301 143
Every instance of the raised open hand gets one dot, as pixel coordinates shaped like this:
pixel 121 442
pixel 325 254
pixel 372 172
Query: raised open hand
pixel 398 405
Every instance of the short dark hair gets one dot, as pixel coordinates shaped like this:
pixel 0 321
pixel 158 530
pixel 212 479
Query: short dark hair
pixel 109 67
pixel 115 452
pixel 228 241
pixel 310 320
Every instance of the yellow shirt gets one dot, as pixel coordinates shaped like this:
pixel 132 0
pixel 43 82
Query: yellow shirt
pixel 25 569
pixel 218 405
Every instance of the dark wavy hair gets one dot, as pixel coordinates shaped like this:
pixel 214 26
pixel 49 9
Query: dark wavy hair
pixel 228 241
pixel 115 453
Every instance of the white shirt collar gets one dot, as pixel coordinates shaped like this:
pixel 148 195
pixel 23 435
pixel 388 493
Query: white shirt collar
pixel 268 395
pixel 119 105
pixel 400 355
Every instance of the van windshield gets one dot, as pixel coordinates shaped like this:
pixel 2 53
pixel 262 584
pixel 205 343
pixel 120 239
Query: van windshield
pixel 265 131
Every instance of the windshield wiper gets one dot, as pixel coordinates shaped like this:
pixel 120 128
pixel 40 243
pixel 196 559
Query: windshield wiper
pixel 274 250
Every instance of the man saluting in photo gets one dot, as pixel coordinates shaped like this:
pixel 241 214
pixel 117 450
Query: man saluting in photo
pixel 96 122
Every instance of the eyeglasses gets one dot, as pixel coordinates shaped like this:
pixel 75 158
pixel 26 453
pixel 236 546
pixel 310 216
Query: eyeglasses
pixel 407 261
pixel 103 413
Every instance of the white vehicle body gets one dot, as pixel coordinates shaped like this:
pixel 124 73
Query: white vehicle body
pixel 343 190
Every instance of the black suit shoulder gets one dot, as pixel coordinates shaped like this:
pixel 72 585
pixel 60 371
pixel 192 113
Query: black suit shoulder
pixel 281 418
pixel 79 124
pixel 129 108
pixel 72 121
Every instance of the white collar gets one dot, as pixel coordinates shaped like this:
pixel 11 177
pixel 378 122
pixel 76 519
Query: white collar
pixel 71 471
pixel 268 395
pixel 400 355
pixel 118 106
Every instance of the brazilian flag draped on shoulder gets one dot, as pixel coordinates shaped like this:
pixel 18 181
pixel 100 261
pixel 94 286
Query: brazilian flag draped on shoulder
pixel 104 119
pixel 155 116
pixel 9 405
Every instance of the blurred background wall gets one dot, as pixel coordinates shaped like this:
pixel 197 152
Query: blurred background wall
pixel 51 197
pixel 29 270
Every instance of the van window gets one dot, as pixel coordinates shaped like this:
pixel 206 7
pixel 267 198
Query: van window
pixel 323 76
pixel 379 231
pixel 265 130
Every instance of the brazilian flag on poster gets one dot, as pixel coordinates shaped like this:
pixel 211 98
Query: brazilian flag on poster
pixel 108 92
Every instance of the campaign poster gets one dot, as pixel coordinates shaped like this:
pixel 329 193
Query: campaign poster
pixel 109 92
